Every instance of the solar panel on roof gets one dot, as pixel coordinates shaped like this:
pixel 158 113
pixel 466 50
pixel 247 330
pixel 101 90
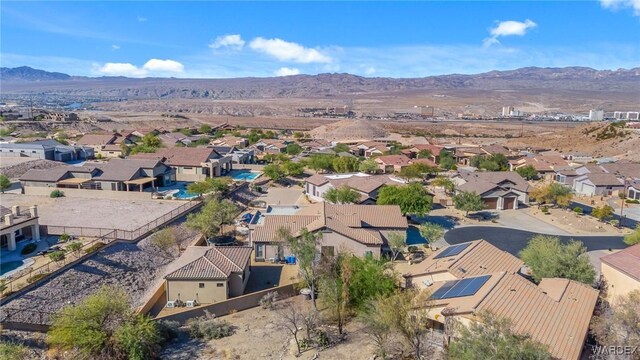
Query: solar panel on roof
pixel 452 250
pixel 459 288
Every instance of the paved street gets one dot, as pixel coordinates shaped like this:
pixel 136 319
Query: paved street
pixel 513 240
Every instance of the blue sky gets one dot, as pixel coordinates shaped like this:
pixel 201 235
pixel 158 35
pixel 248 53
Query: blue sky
pixel 394 39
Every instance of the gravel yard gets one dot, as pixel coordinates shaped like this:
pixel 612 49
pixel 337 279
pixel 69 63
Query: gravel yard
pixel 134 267
pixel 102 213
pixel 14 167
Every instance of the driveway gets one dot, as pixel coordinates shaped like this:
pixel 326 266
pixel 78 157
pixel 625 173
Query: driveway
pixel 513 240
pixel 519 219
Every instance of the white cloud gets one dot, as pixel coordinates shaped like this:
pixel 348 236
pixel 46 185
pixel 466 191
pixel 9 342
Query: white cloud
pixel 115 47
pixel 233 41
pixel 370 70
pixel 619 4
pixel 151 67
pixel 508 28
pixel 288 51
pixel 142 19
pixel 121 69
pixel 285 71
pixel 157 65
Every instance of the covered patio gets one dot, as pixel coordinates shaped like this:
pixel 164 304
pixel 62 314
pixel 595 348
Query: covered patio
pixel 140 183
pixel 73 183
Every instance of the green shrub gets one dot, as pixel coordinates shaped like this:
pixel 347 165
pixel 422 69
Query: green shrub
pixel 614 222
pixel 208 327
pixel 36 277
pixel 545 209
pixel 14 351
pixel 56 194
pixel 630 201
pixel 64 238
pixel 57 256
pixel 95 247
pixel 578 210
pixel 28 249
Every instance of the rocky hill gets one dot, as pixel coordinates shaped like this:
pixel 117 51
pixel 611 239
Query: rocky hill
pixel 26 80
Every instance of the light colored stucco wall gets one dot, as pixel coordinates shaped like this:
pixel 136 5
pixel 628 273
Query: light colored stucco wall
pixel 190 290
pixel 618 283
pixel 92 194
pixel 339 242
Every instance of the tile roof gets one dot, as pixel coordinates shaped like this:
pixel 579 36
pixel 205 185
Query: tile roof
pixel 479 258
pixel 358 181
pixel 627 261
pixel 96 139
pixel 216 263
pixel 361 223
pixel 182 156
pixel 602 179
pixel 555 313
pixel 125 169
pixel 496 178
pixel 400 160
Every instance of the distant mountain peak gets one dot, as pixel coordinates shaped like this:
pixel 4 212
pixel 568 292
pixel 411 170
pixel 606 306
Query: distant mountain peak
pixel 26 73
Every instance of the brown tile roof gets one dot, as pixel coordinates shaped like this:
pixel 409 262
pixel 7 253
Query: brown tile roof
pixel 424 161
pixel 497 178
pixel 216 263
pixel 435 149
pixel 627 261
pixel 182 156
pixel 361 223
pixel 96 139
pixel 399 160
pixel 603 179
pixel 496 149
pixel 556 313
pixel 125 169
pixel 479 258
pixel 361 182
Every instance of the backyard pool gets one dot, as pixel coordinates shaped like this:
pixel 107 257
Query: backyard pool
pixel 183 194
pixel 243 175
pixel 414 238
pixel 5 267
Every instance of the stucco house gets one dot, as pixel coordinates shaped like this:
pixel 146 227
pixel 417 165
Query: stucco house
pixel 192 164
pixel 103 144
pixel 392 163
pixel 359 229
pixel 115 175
pixel 365 184
pixel 500 190
pixel 209 274
pixel 46 150
pixel 621 272
pixel 18 225
pixel 469 278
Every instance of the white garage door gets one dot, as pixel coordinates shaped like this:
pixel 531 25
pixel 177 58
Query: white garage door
pixel 587 189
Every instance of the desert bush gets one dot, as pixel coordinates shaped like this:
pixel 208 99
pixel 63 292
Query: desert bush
pixel 57 256
pixel 545 209
pixel 28 249
pixel 36 277
pixel 56 194
pixel 168 329
pixel 14 351
pixel 578 210
pixel 630 201
pixel 268 299
pixel 208 327
pixel 95 247
pixel 64 238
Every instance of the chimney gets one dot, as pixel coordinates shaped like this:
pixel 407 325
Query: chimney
pixel 34 211
pixel 8 219
pixel 15 209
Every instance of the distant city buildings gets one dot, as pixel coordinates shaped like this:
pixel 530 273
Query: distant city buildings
pixel 596 115
pixel 626 115
pixel 510 111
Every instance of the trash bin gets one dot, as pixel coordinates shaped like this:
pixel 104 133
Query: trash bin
pixel 306 292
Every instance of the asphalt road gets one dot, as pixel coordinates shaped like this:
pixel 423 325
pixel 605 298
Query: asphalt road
pixel 513 240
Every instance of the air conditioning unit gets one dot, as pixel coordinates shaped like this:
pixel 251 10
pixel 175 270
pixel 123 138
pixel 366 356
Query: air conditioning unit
pixel 191 303
pixel 171 304
pixel 427 282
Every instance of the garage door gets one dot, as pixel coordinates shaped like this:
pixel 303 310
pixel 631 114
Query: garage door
pixel 490 203
pixel 587 189
pixel 508 203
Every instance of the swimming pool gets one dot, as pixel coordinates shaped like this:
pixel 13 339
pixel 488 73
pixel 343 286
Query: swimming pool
pixel 414 238
pixel 184 194
pixel 243 175
pixel 5 267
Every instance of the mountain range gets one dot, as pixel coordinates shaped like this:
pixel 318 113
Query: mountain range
pixel 24 79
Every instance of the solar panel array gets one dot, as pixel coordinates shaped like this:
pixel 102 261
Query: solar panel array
pixel 452 250
pixel 459 288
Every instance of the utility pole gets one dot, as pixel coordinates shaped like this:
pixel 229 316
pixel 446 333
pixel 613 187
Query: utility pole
pixel 622 198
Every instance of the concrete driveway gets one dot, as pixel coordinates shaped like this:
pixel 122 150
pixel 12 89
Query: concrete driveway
pixel 519 219
pixel 514 240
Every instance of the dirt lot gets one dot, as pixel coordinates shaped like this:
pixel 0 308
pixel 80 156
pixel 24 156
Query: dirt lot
pixel 103 213
pixel 259 336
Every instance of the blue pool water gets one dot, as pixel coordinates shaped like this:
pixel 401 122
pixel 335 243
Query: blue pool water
pixel 414 237
pixel 5 267
pixel 243 175
pixel 184 194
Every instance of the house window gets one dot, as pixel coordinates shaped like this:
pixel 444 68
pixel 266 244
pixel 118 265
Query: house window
pixel 219 284
pixel 260 250
pixel 201 285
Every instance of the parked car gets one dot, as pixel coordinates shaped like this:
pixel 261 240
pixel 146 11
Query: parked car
pixel 49 250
